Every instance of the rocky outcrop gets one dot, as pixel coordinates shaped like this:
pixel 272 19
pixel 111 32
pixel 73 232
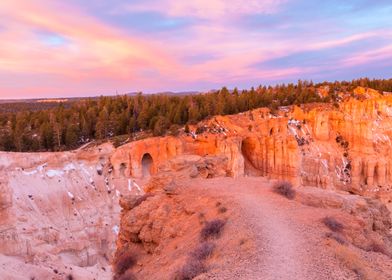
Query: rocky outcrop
pixel 160 230
pixel 186 167
pixel 253 139
pixel 368 221
pixel 346 148
pixel 48 214
pixel 150 221
pixel 375 215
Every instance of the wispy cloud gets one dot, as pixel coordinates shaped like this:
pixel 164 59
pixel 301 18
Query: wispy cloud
pixel 209 9
pixel 92 47
pixel 84 47
pixel 379 55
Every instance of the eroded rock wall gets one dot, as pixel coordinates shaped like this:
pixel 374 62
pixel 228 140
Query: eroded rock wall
pixel 59 214
pixel 347 148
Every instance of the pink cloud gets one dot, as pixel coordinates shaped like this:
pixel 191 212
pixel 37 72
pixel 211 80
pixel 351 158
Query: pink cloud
pixel 373 56
pixel 96 56
pixel 350 39
pixel 93 50
pixel 212 9
pixel 97 52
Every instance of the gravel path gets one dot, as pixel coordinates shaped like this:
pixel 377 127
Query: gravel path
pixel 278 244
pixel 288 236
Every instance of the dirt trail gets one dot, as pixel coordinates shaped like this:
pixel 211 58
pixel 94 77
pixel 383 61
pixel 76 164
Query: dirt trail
pixel 279 245
pixel 288 244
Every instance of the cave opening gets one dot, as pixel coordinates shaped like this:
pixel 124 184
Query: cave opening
pixel 147 163
pixel 248 146
pixel 123 167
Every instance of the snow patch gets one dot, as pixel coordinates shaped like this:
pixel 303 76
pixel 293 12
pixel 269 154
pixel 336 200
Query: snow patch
pixel 138 187
pixel 29 173
pixel 39 168
pixel 116 229
pixel 70 195
pixel 84 169
pixel 69 167
pixel 52 173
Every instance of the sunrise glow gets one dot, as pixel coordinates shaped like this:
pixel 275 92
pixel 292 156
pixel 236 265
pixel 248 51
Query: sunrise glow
pixel 87 48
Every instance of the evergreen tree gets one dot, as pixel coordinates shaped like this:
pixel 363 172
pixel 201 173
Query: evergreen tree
pixel 72 136
pixel 43 126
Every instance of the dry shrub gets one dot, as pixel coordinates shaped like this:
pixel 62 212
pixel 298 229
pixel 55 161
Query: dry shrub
pixel 337 237
pixel 124 262
pixel 284 188
pixel 212 229
pixel 222 210
pixel 191 269
pixel 203 251
pixel 333 224
pixel 128 275
pixel 355 263
pixel 378 248
pixel 195 264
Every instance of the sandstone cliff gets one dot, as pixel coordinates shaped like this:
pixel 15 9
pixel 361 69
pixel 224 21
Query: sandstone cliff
pixel 346 148
pixel 62 208
pixel 59 214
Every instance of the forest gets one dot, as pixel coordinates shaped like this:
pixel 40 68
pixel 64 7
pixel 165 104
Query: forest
pixel 68 126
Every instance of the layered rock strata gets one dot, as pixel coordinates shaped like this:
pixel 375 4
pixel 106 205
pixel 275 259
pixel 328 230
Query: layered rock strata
pixel 346 148
pixel 59 214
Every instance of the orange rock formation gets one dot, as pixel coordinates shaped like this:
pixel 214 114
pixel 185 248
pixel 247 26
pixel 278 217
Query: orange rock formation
pixel 345 148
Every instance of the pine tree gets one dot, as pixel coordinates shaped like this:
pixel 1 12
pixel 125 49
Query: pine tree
pixel 102 125
pixel 72 136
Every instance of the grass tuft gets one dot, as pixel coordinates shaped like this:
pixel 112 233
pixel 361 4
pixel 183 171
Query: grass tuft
pixel 191 269
pixel 284 188
pixel 355 263
pixel 337 237
pixel 212 229
pixel 378 248
pixel 203 251
pixel 333 224
pixel 222 210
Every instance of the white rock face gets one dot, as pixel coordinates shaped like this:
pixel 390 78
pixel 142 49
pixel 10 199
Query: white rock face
pixel 58 213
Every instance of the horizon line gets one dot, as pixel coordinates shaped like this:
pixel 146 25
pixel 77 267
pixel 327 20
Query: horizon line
pixel 184 92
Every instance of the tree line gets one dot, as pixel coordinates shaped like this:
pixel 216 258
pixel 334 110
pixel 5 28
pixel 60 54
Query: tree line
pixel 67 126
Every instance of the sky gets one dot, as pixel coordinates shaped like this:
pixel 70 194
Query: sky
pixel 54 48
